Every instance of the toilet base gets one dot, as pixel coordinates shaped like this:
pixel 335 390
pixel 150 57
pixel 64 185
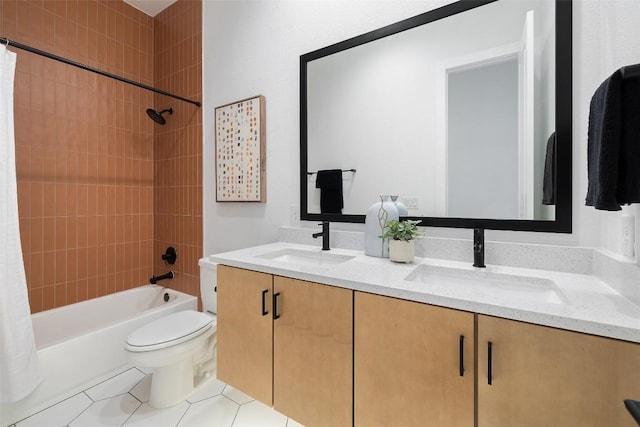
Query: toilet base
pixel 177 368
pixel 171 384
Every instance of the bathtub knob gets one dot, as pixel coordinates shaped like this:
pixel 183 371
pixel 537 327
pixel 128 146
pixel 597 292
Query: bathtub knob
pixel 170 255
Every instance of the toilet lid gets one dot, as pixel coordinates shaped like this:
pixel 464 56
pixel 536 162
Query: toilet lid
pixel 170 330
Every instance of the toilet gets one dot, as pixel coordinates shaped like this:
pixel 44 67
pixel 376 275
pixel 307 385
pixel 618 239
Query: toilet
pixel 179 347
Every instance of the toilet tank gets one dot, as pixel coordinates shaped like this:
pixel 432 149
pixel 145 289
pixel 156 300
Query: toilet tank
pixel 208 283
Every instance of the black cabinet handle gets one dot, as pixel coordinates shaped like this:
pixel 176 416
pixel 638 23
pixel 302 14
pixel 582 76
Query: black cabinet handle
pixel 264 303
pixel 490 363
pixel 275 305
pixel 462 355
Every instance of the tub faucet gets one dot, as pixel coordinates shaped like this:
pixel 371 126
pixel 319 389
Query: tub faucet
pixel 156 279
pixel 478 248
pixel 325 235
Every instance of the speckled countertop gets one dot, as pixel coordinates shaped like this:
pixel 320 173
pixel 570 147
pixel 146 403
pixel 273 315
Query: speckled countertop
pixel 575 302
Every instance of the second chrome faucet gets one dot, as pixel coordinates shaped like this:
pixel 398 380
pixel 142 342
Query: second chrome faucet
pixel 325 235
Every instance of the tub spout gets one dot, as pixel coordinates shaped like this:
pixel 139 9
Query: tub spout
pixel 156 279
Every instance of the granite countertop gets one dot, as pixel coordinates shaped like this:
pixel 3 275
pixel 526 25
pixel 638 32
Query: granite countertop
pixel 576 302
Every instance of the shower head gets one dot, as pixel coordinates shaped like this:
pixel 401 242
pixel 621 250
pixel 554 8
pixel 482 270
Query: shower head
pixel 157 117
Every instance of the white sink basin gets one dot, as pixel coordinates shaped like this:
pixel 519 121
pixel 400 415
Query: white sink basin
pixel 306 257
pixel 504 286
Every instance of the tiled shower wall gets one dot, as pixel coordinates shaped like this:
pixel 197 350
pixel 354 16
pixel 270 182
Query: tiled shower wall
pixel 85 148
pixel 178 144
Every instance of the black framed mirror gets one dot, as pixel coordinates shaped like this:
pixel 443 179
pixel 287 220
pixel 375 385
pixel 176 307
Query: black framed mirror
pixel 465 126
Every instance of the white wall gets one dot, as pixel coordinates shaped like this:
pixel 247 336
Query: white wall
pixel 482 172
pixel 611 29
pixel 252 47
pixel 358 117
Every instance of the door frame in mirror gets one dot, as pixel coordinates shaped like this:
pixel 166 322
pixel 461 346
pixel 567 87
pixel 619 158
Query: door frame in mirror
pixel 563 121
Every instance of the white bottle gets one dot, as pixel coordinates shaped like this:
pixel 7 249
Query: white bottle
pixel 377 216
pixel 402 209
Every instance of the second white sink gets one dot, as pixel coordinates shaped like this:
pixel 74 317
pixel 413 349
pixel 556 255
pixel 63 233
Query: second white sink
pixel 509 286
pixel 305 257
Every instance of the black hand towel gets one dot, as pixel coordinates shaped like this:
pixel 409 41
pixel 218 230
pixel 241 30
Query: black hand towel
pixel 634 409
pixel 330 184
pixel 614 143
pixel 549 181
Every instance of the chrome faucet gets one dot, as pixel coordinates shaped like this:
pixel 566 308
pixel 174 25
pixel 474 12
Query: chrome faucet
pixel 325 235
pixel 478 247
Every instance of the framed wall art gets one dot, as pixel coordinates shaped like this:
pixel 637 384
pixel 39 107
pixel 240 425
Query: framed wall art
pixel 240 151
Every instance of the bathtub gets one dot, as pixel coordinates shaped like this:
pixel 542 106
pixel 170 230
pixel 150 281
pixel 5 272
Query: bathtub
pixel 82 343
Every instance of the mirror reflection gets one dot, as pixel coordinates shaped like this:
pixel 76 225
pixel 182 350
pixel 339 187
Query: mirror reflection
pixel 454 116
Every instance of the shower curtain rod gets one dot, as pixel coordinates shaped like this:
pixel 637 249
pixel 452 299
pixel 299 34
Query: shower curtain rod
pixel 12 43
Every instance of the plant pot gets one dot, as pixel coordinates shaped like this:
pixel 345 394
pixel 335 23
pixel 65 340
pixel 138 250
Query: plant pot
pixel 401 251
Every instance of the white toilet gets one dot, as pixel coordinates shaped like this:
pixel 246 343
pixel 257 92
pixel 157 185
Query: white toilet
pixel 180 347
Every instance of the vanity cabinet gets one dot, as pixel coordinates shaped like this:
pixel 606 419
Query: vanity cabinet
pixel 287 343
pixel 244 334
pixel 313 353
pixel 413 364
pixel 327 356
pixel 542 376
pixel 407 370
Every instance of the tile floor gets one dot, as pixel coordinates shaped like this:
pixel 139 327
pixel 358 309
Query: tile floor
pixel 122 401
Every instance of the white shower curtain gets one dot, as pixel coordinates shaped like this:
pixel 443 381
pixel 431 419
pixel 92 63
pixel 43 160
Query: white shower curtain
pixel 19 369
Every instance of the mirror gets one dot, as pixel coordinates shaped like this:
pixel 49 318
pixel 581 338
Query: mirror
pixel 464 126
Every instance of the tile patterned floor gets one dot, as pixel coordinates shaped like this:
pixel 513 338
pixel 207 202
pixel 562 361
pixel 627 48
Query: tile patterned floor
pixel 123 401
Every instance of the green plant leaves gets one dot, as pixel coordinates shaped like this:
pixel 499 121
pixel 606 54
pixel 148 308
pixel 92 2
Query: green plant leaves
pixel 401 230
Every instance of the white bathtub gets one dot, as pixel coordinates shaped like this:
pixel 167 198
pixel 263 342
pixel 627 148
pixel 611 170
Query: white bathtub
pixel 84 342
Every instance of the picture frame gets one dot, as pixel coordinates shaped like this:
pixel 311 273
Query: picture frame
pixel 240 135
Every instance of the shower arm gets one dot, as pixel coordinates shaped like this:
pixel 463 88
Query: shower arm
pixel 17 45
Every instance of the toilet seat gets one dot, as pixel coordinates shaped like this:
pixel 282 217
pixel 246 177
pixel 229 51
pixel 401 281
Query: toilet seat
pixel 169 331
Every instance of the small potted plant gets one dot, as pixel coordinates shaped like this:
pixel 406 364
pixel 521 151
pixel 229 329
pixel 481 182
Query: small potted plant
pixel 401 244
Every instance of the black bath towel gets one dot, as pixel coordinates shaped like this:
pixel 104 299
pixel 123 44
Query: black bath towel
pixel 549 181
pixel 614 144
pixel 330 184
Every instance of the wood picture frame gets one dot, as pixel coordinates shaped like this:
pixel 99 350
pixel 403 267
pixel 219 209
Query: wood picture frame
pixel 240 135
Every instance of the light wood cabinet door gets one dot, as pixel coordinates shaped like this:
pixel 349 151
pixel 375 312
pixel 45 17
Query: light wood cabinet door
pixel 245 331
pixel 542 376
pixel 407 363
pixel 313 348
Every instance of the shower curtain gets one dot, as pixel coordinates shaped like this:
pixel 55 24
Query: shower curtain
pixel 19 369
